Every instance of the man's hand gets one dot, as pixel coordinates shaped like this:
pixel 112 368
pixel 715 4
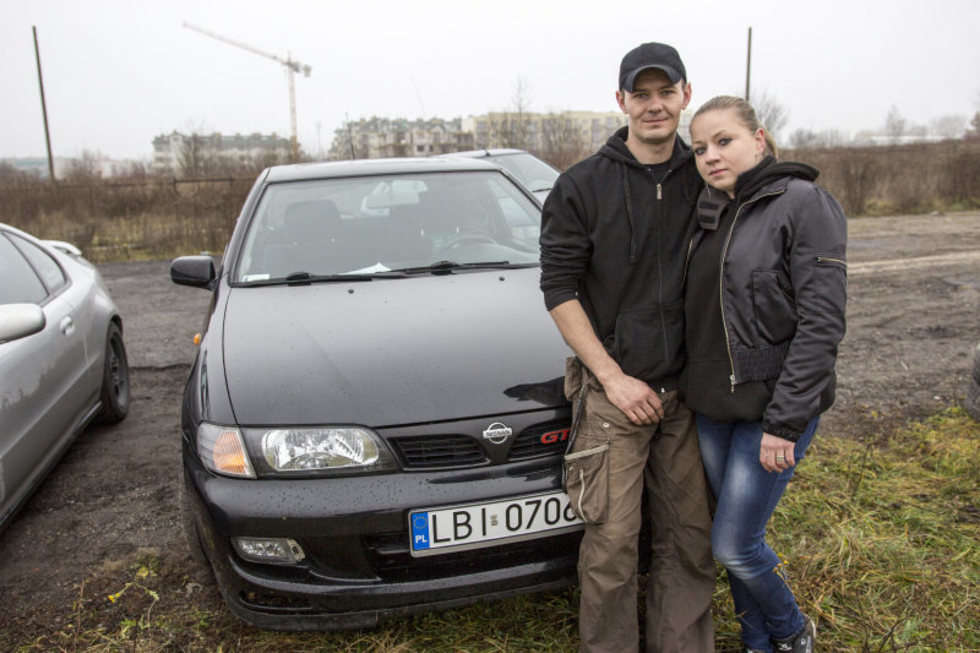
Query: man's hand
pixel 775 453
pixel 636 399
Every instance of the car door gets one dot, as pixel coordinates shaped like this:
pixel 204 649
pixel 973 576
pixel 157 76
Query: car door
pixel 38 374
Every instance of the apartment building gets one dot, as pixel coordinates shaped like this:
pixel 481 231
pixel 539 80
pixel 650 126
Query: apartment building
pixel 544 131
pixel 170 150
pixel 373 138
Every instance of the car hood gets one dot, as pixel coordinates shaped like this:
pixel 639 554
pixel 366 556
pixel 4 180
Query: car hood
pixel 391 352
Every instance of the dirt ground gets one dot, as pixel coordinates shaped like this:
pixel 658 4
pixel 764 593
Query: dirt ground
pixel 913 323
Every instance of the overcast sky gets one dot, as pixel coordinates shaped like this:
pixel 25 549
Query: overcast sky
pixel 118 73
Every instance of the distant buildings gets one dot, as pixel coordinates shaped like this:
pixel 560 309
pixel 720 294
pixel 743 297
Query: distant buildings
pixel 375 138
pixel 540 131
pixel 176 152
pixel 37 166
pixel 547 134
pixel 89 164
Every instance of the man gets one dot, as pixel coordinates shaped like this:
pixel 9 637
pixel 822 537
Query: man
pixel 615 233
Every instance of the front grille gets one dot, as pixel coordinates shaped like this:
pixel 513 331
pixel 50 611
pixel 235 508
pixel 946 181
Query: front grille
pixel 433 451
pixel 532 442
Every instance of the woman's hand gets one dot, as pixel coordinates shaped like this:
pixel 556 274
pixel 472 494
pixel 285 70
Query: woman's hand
pixel 776 454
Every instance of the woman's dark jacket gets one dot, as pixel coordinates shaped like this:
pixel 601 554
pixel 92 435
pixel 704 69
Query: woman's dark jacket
pixel 780 288
pixel 614 235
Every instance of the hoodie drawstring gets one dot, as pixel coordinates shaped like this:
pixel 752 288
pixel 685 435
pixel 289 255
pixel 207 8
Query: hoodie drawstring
pixel 629 211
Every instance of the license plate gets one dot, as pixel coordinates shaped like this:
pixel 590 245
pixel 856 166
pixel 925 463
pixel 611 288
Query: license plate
pixel 444 530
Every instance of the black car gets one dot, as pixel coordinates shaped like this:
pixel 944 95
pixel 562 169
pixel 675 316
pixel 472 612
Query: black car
pixel 374 419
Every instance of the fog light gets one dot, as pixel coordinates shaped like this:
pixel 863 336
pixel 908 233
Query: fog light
pixel 270 550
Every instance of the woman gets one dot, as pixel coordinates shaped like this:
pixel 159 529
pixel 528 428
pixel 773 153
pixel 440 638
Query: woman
pixel 764 303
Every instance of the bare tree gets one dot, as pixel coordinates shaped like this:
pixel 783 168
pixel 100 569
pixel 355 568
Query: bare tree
pixel 85 169
pixel 948 126
pixel 974 133
pixel 803 139
pixel 512 128
pixel 9 174
pixel 895 125
pixel 864 137
pixel 917 132
pixel 808 139
pixel 562 141
pixel 193 156
pixel 771 113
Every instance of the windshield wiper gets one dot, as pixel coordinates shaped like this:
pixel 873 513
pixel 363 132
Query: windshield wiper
pixel 303 278
pixel 447 267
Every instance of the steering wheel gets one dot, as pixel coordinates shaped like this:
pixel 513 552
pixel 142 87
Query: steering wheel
pixel 458 240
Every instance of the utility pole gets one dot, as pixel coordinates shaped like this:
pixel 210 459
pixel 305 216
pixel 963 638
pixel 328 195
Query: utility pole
pixel 44 106
pixel 292 67
pixel 748 66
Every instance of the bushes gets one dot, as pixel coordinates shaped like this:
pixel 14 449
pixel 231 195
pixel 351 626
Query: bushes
pixel 158 218
pixel 915 178
pixel 150 218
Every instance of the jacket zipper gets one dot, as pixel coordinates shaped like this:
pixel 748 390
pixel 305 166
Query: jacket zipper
pixel 721 281
pixel 687 260
pixel 829 259
pixel 660 268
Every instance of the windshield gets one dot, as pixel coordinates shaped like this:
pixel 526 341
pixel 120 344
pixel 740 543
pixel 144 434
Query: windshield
pixel 372 225
pixel 530 170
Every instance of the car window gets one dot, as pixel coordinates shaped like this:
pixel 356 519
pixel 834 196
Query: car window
pixel 529 170
pixel 20 283
pixel 388 222
pixel 47 268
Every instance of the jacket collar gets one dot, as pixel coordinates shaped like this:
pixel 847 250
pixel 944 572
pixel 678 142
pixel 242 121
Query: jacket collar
pixel 767 178
pixel 615 148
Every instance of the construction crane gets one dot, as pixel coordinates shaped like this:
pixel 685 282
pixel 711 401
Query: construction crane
pixel 292 67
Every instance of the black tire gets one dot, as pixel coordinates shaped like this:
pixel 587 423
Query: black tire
pixel 115 379
pixel 976 365
pixel 972 403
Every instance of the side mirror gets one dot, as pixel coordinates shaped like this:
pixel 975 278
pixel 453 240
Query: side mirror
pixel 196 271
pixel 20 320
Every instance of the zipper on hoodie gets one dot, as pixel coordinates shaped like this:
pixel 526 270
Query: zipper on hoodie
pixel 721 280
pixel 660 269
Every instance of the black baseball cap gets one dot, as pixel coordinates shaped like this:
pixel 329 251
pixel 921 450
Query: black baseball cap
pixel 650 55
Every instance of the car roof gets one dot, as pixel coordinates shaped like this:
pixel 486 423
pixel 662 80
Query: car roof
pixel 498 151
pixel 371 167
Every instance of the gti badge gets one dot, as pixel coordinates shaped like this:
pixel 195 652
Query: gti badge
pixel 498 433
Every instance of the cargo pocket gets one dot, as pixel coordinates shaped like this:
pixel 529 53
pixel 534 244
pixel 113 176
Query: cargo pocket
pixel 586 474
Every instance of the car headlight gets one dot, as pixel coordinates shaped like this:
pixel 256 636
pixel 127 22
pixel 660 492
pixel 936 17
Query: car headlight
pixel 334 448
pixel 222 450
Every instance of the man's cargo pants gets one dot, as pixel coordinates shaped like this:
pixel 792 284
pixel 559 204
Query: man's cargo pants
pixel 611 461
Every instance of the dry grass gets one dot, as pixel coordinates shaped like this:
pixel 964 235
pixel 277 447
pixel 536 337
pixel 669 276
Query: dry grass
pixel 162 218
pixel 880 541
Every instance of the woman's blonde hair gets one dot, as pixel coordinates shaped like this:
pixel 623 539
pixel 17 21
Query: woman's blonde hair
pixel 743 111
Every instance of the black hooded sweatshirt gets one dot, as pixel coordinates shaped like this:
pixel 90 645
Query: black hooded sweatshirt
pixel 782 283
pixel 614 235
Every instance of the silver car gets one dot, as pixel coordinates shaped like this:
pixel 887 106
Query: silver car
pixel 62 359
pixel 536 175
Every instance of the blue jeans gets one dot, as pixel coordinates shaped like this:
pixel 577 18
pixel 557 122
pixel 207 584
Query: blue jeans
pixel 747 495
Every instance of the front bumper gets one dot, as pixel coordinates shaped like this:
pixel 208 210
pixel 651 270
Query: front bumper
pixel 354 532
